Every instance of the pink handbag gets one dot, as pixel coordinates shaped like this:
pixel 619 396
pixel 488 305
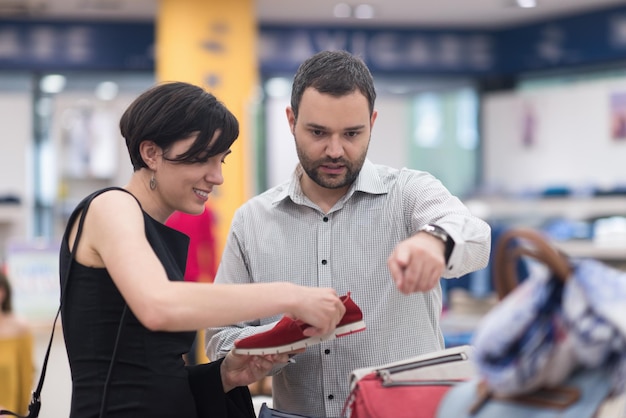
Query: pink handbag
pixel 411 388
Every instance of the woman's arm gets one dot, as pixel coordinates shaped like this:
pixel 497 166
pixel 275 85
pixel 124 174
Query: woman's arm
pixel 119 244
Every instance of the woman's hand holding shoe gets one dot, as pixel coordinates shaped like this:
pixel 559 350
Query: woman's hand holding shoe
pixel 319 307
pixel 242 370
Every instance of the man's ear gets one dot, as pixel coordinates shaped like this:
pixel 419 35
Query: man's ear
pixel 373 119
pixel 291 118
pixel 150 153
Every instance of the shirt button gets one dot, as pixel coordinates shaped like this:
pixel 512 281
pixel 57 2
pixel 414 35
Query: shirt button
pixel 325 218
pixel 327 351
pixel 324 262
pixel 331 397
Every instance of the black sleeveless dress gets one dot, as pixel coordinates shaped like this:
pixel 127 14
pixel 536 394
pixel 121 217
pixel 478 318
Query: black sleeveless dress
pixel 149 378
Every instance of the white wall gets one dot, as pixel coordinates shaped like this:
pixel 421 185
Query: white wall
pixel 281 150
pixel 16 140
pixel 572 141
pixel 389 144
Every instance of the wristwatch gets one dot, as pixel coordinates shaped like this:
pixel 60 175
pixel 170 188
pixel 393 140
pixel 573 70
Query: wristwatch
pixel 435 231
pixel 440 233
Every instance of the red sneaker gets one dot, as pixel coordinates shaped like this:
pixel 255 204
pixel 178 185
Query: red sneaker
pixel 287 335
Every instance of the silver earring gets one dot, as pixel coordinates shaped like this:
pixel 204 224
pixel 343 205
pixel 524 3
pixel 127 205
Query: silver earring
pixel 152 182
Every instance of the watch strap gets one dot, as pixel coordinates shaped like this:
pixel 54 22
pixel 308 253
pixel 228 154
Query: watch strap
pixel 440 233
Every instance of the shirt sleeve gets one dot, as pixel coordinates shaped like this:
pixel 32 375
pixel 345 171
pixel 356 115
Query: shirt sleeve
pixel 232 269
pixel 427 201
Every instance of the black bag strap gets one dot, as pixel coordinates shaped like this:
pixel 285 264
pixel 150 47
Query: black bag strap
pixel 35 402
pixel 105 391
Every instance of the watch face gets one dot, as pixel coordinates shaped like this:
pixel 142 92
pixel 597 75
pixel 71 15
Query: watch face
pixel 436 232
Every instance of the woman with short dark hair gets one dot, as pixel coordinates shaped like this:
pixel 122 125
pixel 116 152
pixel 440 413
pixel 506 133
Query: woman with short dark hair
pixel 128 316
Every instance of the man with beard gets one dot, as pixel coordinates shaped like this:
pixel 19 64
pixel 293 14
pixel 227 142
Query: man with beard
pixel 387 236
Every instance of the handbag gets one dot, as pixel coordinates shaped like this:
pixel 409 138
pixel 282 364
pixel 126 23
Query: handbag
pixel 267 412
pixel 579 396
pixel 409 388
pixel 534 352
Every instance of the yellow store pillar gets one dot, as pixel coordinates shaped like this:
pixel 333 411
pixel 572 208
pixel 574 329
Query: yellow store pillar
pixel 212 43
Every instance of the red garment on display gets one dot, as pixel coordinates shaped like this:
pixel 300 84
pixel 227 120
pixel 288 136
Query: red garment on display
pixel 202 257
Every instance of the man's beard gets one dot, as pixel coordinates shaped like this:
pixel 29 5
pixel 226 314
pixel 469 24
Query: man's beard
pixel 329 181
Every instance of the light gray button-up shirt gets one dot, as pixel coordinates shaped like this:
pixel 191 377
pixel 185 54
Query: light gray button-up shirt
pixel 280 235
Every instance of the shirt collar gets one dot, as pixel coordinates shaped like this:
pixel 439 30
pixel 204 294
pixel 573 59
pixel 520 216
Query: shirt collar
pixel 368 181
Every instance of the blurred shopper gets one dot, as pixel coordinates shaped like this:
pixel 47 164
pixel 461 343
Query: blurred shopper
pixel 385 235
pixel 16 355
pixel 128 315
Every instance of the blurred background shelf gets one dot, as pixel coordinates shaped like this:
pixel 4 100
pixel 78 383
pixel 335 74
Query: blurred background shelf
pixel 575 208
pixel 10 214
pixel 538 211
pixel 588 249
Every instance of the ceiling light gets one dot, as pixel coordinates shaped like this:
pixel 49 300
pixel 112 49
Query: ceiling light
pixel 278 87
pixel 107 90
pixel 527 4
pixel 364 11
pixel 342 10
pixel 52 84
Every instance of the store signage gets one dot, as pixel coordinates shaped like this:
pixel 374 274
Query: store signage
pixel 76 45
pixel 393 50
pixel 588 38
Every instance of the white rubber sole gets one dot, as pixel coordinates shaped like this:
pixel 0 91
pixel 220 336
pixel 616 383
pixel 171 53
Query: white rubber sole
pixel 297 345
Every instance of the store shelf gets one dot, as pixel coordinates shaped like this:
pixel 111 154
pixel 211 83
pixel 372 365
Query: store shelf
pixel 533 212
pixel 587 249
pixel 574 208
pixel 10 214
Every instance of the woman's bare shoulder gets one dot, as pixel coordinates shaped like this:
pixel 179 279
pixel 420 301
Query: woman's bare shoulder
pixel 118 202
pixel 115 197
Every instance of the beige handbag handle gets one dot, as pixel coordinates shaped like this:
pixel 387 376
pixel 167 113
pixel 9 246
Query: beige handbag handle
pixel 505 275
